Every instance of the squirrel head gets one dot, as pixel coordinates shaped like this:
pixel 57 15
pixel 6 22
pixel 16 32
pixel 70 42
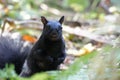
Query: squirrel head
pixel 52 29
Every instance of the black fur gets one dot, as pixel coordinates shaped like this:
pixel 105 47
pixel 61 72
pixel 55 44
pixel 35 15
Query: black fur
pixel 48 52
pixel 12 52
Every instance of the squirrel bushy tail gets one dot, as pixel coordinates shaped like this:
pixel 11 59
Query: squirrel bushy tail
pixel 13 52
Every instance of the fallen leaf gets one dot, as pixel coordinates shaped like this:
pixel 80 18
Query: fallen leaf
pixel 29 38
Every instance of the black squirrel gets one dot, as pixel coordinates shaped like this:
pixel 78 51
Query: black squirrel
pixel 13 51
pixel 49 51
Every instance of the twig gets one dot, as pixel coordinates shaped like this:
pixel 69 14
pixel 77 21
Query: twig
pixel 84 33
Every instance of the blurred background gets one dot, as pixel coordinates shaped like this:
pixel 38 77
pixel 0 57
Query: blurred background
pixel 27 9
pixel 91 31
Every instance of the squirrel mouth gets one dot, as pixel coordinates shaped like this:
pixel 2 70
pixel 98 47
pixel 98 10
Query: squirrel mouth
pixel 54 37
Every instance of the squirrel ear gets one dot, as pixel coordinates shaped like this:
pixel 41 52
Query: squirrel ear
pixel 44 20
pixel 61 19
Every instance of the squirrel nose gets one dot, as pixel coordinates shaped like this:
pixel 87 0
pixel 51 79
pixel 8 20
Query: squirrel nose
pixel 54 33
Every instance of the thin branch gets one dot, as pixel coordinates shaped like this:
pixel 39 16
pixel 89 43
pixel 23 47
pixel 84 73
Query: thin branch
pixel 84 33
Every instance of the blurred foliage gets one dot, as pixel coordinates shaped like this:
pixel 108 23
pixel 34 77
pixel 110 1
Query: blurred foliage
pixel 8 72
pixel 16 9
pixel 116 3
pixel 27 9
pixel 79 70
pixel 77 5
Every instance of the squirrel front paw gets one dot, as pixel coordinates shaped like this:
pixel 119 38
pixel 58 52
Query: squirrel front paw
pixel 49 59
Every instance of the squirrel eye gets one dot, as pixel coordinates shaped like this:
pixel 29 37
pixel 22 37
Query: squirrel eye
pixel 48 27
